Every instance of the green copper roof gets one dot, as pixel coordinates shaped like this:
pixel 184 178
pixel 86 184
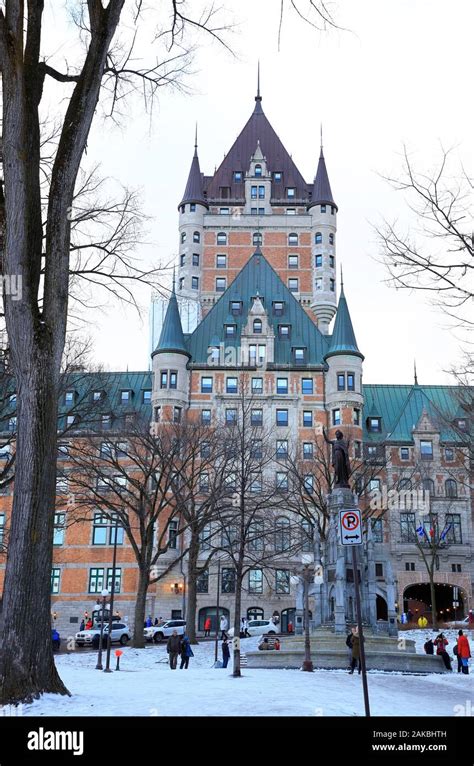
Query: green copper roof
pixel 258 278
pixel 343 340
pixel 171 338
pixel 400 408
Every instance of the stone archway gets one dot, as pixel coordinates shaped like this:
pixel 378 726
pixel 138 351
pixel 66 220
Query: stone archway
pixel 443 579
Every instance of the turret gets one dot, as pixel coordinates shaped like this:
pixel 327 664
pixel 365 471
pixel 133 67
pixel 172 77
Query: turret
pixel 170 396
pixel 192 209
pixel 323 211
pixel 344 397
pixel 258 185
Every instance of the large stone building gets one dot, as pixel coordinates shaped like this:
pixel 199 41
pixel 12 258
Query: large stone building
pixel 256 291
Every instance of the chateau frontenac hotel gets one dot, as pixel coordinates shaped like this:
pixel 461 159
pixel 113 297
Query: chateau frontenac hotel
pixel 257 293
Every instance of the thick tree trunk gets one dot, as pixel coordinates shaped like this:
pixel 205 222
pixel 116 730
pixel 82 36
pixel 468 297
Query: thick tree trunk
pixel 238 602
pixel 434 618
pixel 26 660
pixel 140 606
pixel 191 605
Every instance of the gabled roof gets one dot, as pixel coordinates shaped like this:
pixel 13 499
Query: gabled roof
pixel 322 194
pixel 343 340
pixel 194 188
pixel 401 407
pixel 258 128
pixel 171 338
pixel 258 278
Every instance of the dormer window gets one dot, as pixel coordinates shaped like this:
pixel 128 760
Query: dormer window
pixel 299 355
pixel 278 308
pixel 257 238
pixel 292 239
pixel 374 425
pixel 97 396
pixel 257 326
pixel 277 176
pixel 258 171
pixel 284 331
pixel 230 330
pixel 236 308
pixel 461 423
pixel 125 396
pixel 222 238
pixel 291 192
pixel 69 397
pixel 238 176
pixel 318 238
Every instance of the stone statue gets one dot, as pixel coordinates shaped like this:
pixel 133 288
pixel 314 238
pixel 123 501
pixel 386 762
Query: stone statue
pixel 340 459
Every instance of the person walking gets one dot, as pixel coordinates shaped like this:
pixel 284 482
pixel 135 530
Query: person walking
pixel 441 643
pixel 173 648
pixel 355 651
pixel 148 622
pixel 223 626
pixel 207 627
pixel 82 625
pixel 186 652
pixel 463 653
pixel 349 648
pixel 225 653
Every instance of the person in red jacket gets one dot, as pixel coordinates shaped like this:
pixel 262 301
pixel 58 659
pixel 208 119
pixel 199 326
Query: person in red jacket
pixel 464 652
pixel 441 643
pixel 207 627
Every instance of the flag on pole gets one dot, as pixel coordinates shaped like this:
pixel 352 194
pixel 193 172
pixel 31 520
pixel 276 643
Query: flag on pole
pixel 445 531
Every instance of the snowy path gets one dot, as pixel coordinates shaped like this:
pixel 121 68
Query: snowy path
pixel 147 687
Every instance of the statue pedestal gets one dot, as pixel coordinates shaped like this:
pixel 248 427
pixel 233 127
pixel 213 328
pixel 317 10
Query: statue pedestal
pixel 339 499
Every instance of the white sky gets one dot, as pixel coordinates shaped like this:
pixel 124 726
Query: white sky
pixel 401 74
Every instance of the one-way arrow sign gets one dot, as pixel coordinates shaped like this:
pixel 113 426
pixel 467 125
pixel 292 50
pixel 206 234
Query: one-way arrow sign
pixel 350 526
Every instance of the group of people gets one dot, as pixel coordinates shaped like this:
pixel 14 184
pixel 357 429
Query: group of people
pixel 461 650
pixel 179 646
pixel 223 625
pixel 149 622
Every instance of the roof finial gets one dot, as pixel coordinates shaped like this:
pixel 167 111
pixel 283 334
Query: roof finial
pixel 342 279
pixel 196 140
pixel 321 131
pixel 414 372
pixel 174 280
pixel 258 96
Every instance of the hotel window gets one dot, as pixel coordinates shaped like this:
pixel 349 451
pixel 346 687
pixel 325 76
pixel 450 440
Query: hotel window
pixel 357 449
pixel 96 580
pixel 256 418
pixel 307 545
pixel 253 192
pixel 257 238
pixel 202 582
pixel 97 396
pixel 307 385
pixel 284 331
pixel 257 326
pixel 307 419
pixel 331 261
pixel 70 421
pixel 277 176
pixel 356 417
pixel 59 528
pixel 282 448
pixel 332 285
pixel 183 237
pixel 195 283
pixel 278 308
pixel 374 425
pixel 282 385
pixel 173 534
pixel 336 417
pixel 291 211
pixel 254 211
pixel 299 355
pixel 125 397
pixel 331 239
pixel 222 238
pixel 456 568
pixel 230 330
pixel 221 261
pixel 319 283
pixel 196 237
pixel 261 192
pixel 292 239
pixel 377 530
pixel 192 207
pixel 181 283
pixel 204 482
pixel 61 486
pixel 255 581
pixel 228 580
pixel 341 381
pixel 256 449
pixel 404 453
pixel 182 260
pixel 230 417
pixel 195 259
pixel 318 238
pixel 63 452
pixel 307 450
pixel 173 379
pixel 407 528
pixel 55 579
pixel 291 192
pixel 449 454
pixel 257 385
pixel 236 308
pixel 281 481
pixel 69 397
pixel 147 396
pixel 293 285
pixel 454 533
pixel 224 211
pixel 258 171
pixel 350 381
pixel 231 385
pixel 333 209
pixel 206 385
pixel 282 535
pixel 157 414
pixel 426 450
pixel 282 417
pixel 2 527
pixel 176 414
pixel 205 450
pixel 282 581
pixel 238 175
pixel 117 581
pixel 262 352
pixel 164 379
pixel 451 488
pixel 292 261
pixel 220 284
pixel 318 259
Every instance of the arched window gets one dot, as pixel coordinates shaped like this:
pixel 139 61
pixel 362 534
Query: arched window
pixel 428 486
pixel 222 238
pixel 292 239
pixel 196 237
pixel 258 171
pixel 318 238
pixel 255 613
pixel 282 534
pixel 257 326
pixel 257 238
pixel 451 488
pixel 211 611
pixel 404 484
pixel 331 239
pixel 183 237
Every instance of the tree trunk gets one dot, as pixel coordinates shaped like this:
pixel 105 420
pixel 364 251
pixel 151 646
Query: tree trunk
pixel 238 601
pixel 140 606
pixel 191 605
pixel 434 618
pixel 27 666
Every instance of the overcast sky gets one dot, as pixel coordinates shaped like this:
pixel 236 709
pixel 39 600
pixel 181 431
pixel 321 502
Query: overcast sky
pixel 400 74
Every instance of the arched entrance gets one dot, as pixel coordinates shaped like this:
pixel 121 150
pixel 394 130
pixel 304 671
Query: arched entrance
pixel 417 602
pixel 381 607
pixel 287 615
pixel 211 611
pixel 255 613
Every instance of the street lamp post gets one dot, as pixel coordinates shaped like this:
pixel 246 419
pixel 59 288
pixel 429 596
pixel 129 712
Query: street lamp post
pixel 104 594
pixel 112 593
pixel 305 576
pixel 216 649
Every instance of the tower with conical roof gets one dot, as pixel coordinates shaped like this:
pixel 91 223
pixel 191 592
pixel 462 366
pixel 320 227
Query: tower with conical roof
pixel 323 211
pixel 170 394
pixel 344 396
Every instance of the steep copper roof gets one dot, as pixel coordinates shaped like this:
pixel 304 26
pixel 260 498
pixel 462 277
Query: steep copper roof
pixel 322 194
pixel 257 128
pixel 194 187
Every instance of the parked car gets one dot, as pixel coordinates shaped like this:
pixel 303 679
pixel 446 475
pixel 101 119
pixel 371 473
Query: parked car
pixel 56 638
pixel 158 633
pixel 120 633
pixel 258 628
pixel 464 621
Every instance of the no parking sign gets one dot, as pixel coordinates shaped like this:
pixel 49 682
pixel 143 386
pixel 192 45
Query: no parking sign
pixel 350 526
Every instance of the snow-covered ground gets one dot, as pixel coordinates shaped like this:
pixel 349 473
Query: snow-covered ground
pixel 146 686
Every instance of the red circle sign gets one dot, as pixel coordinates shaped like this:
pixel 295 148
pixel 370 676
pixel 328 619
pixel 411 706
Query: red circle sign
pixel 350 521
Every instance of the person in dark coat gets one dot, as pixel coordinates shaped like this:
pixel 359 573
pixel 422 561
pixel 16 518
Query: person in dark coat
pixel 355 650
pixel 186 652
pixel 428 646
pixel 463 653
pixel 441 643
pixel 82 625
pixel 225 653
pixel 173 648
